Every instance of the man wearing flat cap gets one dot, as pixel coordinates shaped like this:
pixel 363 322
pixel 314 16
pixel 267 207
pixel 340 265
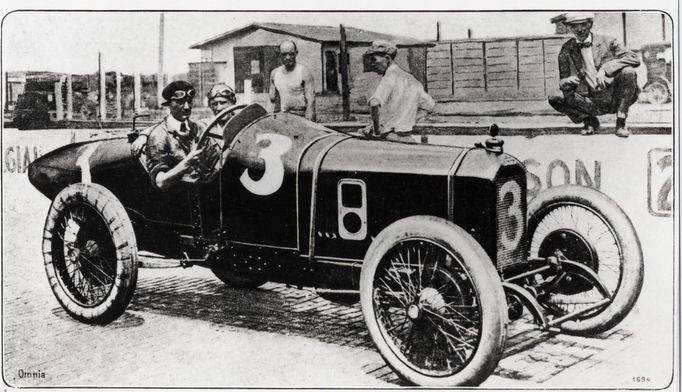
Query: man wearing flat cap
pixel 172 150
pixel 399 100
pixel 597 77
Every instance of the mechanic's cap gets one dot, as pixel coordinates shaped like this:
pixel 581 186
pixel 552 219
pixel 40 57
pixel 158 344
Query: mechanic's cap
pixel 382 47
pixel 578 17
pixel 176 90
pixel 221 90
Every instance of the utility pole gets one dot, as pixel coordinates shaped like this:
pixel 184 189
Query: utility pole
pixel 159 76
pixel 345 92
pixel 438 31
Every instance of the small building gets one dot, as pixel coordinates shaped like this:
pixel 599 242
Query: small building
pixel 251 53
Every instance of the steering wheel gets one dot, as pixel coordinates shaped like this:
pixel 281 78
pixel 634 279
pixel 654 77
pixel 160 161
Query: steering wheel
pixel 206 169
pixel 214 123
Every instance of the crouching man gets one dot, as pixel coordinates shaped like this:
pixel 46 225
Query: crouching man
pixel 597 77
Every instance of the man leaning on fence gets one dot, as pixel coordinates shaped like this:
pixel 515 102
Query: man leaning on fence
pixel 399 100
pixel 597 76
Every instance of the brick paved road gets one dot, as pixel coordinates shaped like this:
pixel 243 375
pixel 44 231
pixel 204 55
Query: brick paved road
pixel 185 328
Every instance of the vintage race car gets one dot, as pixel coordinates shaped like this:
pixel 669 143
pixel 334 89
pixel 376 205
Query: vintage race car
pixel 436 242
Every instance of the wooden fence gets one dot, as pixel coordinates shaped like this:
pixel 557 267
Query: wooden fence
pixel 494 69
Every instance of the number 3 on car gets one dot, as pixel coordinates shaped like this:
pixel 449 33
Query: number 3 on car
pixel 271 153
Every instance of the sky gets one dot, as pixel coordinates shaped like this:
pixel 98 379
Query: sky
pixel 69 42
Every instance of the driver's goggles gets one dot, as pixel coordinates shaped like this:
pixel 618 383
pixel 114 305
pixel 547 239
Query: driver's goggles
pixel 189 94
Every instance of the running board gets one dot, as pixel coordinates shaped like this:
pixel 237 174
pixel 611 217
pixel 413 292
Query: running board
pixel 153 260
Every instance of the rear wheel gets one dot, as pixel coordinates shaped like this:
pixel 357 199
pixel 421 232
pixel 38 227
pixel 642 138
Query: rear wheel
pixel 589 228
pixel 90 253
pixel 433 303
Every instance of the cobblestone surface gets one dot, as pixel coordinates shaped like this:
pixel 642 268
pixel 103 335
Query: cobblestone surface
pixel 40 337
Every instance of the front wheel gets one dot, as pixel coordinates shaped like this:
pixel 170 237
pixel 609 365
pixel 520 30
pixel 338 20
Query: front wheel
pixel 657 92
pixel 433 303
pixel 589 228
pixel 90 253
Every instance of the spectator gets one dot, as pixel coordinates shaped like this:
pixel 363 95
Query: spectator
pixel 293 83
pixel 399 101
pixel 597 77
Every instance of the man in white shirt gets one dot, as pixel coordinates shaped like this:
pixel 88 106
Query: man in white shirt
pixel 293 83
pixel 597 76
pixel 399 100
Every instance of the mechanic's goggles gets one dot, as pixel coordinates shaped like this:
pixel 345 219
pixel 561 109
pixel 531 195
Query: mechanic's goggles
pixel 189 94
pixel 221 94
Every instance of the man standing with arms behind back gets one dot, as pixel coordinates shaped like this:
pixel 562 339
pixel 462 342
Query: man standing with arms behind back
pixel 597 76
pixel 293 83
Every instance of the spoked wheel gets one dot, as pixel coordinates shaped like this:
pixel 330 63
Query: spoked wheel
pixel 657 93
pixel 90 253
pixel 433 303
pixel 587 227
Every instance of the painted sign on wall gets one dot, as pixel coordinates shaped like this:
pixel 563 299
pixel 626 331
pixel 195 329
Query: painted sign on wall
pixel 660 181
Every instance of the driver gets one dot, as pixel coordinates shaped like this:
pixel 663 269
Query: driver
pixel 220 97
pixel 172 150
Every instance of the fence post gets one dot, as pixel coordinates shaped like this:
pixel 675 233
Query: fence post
pixel 247 91
pixel 69 97
pixel 118 95
pixel 102 91
pixel 58 101
pixel 137 91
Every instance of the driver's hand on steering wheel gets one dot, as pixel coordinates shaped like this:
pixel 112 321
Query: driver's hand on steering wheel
pixel 193 158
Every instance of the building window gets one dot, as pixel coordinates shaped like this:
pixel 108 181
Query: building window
pixel 254 63
pixel 331 76
pixel 255 67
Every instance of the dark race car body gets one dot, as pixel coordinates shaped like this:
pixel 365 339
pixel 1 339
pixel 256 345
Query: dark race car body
pixel 306 193
pixel 435 241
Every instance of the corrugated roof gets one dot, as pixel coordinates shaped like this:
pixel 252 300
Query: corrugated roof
pixel 318 34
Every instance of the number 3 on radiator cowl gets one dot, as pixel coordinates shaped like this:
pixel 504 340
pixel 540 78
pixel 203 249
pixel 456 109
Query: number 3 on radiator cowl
pixel 271 154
